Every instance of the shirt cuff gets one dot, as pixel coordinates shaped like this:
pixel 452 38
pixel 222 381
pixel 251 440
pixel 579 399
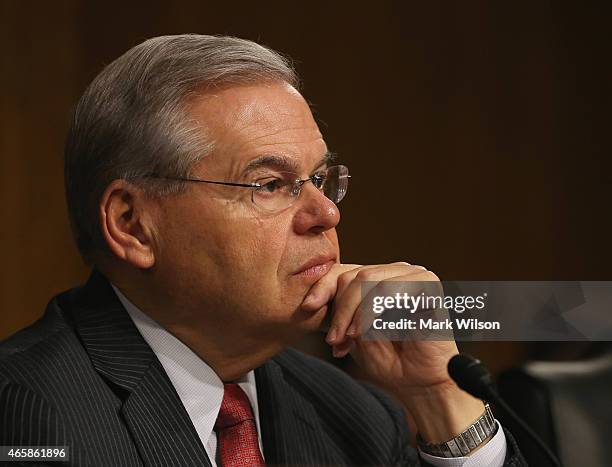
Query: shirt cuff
pixel 491 454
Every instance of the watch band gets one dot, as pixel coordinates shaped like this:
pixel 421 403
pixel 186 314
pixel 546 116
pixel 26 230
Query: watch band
pixel 465 442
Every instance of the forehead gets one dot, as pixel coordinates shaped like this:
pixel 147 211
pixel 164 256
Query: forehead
pixel 251 121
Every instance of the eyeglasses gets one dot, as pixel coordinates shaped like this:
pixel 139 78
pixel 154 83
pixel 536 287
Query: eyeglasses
pixel 277 192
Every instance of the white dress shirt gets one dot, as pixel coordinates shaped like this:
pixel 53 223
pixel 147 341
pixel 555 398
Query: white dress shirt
pixel 201 392
pixel 197 385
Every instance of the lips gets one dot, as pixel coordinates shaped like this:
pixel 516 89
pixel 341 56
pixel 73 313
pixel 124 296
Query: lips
pixel 317 266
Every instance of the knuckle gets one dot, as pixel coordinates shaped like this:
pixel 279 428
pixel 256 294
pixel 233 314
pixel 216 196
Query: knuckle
pixel 432 276
pixel 364 275
pixel 344 279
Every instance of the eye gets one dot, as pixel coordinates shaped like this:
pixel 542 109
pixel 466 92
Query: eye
pixel 318 179
pixel 270 185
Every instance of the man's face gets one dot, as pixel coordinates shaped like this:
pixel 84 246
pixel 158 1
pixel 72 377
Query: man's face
pixel 221 254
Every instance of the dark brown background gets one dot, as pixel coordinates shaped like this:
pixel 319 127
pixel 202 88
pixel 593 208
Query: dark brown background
pixel 475 131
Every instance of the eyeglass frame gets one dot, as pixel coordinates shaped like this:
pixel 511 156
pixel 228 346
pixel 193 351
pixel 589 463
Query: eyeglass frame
pixel 298 182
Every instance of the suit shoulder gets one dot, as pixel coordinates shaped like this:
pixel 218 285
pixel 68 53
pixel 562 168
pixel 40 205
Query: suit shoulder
pixel 38 348
pixel 36 333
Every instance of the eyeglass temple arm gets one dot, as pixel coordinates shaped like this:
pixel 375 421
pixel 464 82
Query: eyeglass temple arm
pixel 214 182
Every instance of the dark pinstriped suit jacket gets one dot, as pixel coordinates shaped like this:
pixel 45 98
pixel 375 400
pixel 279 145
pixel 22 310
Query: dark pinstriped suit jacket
pixel 82 376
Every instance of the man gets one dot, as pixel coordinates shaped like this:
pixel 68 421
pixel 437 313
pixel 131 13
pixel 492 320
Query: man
pixel 202 192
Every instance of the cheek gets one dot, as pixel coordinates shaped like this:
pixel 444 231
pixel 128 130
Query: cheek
pixel 267 243
pixel 332 236
pixel 251 246
pixel 189 236
pixel 228 249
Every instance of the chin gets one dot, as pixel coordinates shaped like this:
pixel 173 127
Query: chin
pixel 310 321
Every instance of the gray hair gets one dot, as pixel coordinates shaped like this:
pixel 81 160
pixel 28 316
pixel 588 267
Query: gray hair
pixel 133 119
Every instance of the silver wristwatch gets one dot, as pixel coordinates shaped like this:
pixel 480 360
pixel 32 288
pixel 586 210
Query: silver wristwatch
pixel 461 445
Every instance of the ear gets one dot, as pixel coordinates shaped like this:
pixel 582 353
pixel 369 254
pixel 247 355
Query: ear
pixel 126 224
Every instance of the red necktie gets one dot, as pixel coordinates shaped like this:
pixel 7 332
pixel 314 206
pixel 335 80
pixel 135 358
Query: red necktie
pixel 236 430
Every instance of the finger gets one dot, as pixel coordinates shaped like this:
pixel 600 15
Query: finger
pixel 338 278
pixel 349 271
pixel 324 290
pixel 343 349
pixel 364 294
pixel 347 303
pixel 393 269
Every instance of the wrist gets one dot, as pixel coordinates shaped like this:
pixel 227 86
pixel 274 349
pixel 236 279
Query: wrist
pixel 470 440
pixel 442 411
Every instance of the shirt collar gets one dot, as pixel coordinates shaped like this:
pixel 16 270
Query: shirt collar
pixel 196 383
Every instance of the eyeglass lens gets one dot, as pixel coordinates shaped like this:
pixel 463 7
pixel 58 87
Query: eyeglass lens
pixel 275 195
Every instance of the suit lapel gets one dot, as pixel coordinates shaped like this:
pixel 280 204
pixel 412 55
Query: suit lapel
pixel 291 429
pixel 161 427
pixel 153 412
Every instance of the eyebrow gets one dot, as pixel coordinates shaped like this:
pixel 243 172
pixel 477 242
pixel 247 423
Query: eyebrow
pixel 282 163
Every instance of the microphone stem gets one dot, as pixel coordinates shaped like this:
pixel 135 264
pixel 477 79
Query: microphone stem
pixel 518 420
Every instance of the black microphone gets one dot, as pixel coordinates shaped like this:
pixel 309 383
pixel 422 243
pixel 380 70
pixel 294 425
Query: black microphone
pixel 473 377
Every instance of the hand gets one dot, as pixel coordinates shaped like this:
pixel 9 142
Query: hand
pixel 415 371
pixel 399 366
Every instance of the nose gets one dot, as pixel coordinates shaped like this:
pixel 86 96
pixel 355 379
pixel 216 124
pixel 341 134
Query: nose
pixel 315 212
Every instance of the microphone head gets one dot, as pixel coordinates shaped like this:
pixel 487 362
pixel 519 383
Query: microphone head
pixel 471 375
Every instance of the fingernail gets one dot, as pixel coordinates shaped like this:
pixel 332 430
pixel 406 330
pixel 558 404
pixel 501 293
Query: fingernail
pixel 352 330
pixel 331 335
pixel 335 352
